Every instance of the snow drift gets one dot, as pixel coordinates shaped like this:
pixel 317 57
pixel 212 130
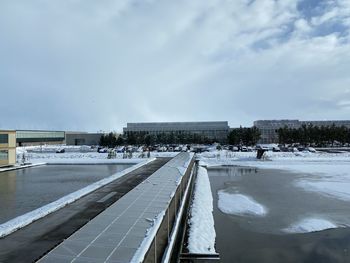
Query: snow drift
pixel 238 204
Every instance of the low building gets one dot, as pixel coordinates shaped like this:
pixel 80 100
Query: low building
pixel 213 130
pixel 7 148
pixel 269 128
pixel 39 137
pixel 83 138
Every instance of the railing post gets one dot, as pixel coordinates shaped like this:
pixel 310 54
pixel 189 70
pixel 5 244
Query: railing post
pixel 155 248
pixel 168 225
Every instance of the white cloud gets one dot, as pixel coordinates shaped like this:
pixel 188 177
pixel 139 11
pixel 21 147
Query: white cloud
pixel 96 65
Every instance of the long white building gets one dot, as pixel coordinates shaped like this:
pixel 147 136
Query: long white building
pixel 215 130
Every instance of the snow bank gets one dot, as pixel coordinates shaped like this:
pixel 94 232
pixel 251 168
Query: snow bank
pixel 310 225
pixel 94 161
pixel 235 158
pixel 238 204
pixel 24 220
pixel 74 156
pixel 78 158
pixel 202 232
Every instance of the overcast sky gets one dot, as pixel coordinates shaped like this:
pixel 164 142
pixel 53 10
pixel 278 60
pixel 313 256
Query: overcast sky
pixel 95 65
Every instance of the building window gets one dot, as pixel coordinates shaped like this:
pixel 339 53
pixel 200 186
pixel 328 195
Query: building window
pixel 4 155
pixel 4 138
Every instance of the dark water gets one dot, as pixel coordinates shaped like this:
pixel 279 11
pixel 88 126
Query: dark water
pixel 242 238
pixel 24 190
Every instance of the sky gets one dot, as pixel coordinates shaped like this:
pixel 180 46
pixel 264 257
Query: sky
pixel 96 65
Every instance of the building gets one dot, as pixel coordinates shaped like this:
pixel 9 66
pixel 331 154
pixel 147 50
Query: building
pixel 213 130
pixel 269 128
pixel 7 148
pixel 83 138
pixel 327 123
pixel 39 137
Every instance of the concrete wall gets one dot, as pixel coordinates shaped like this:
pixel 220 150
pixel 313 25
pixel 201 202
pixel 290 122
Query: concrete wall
pixel 83 138
pixel 39 137
pixel 10 147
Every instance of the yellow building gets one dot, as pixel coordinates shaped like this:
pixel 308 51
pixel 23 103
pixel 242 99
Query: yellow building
pixel 7 148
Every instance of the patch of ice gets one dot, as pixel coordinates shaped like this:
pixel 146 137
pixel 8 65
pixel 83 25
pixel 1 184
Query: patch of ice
pixel 327 178
pixel 202 232
pixel 238 204
pixel 310 225
pixel 332 188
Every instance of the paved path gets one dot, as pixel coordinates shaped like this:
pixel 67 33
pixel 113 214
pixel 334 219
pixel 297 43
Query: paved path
pixel 32 242
pixel 123 232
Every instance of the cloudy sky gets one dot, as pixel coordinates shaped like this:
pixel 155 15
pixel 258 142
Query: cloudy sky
pixel 95 65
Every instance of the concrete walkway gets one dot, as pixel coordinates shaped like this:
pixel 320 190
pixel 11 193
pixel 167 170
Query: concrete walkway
pixel 124 231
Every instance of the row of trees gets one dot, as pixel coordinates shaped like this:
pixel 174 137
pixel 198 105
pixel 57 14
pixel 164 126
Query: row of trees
pixel 111 140
pixel 305 135
pixel 244 136
pixel 165 138
pixel 315 135
pixel 142 138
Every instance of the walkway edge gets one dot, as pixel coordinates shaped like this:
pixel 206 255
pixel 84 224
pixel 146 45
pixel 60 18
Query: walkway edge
pixel 173 237
pixel 26 219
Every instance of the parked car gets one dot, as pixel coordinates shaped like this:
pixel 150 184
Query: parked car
pixel 244 149
pixel 102 150
pixel 61 150
pixel 120 149
pixel 235 149
pixel 311 149
pixel 276 149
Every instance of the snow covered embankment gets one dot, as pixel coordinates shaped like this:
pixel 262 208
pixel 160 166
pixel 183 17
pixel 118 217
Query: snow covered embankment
pixel 24 220
pixel 201 231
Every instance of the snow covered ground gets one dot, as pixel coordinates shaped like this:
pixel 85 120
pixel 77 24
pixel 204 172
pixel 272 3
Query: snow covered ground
pixel 78 155
pixel 238 204
pixel 202 232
